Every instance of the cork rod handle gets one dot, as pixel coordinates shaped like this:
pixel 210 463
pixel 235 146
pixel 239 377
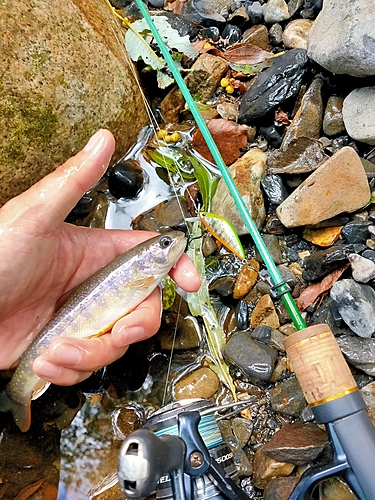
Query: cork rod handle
pixel 319 365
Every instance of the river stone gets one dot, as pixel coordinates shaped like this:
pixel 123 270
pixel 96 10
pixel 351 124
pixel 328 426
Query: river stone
pixel 358 114
pixel 205 76
pixel 342 38
pixel 287 397
pixel 201 383
pixel 333 122
pixel 339 185
pixel 247 172
pixel 355 303
pixel 363 270
pixel 360 352
pixel 264 313
pixel 335 488
pixel 279 488
pixel 253 358
pixel 64 74
pixel 296 443
pixel 295 34
pixel 308 119
pixel 266 468
pixel 275 11
pixel 368 394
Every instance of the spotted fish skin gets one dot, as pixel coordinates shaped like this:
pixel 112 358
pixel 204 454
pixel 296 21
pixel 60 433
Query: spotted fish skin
pixel 92 309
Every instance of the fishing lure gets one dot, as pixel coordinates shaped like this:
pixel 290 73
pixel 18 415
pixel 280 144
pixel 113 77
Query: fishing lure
pixel 223 231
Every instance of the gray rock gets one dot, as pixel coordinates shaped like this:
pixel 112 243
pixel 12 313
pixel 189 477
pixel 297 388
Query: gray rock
pixel 253 358
pixel 242 428
pixel 355 304
pixel 359 352
pixel 274 188
pixel 295 33
pixel 65 74
pixel 201 12
pixel 356 231
pixel 275 11
pixel 359 114
pixel 342 38
pixel 273 245
pixel 363 269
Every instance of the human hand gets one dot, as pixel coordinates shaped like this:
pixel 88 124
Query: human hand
pixel 42 258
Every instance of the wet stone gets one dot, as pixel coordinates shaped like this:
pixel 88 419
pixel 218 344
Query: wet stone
pixel 241 460
pixel 368 394
pixel 200 12
pixel 264 313
pixel 328 191
pixel 257 35
pixel 208 245
pixel 223 286
pixel 246 279
pixel 322 262
pixel 272 134
pixel 242 315
pixel 308 119
pixel 296 443
pixel 232 34
pixel 363 270
pixel 254 359
pixel 164 215
pixel 242 428
pixel 360 352
pixel 186 336
pixel 279 488
pixel 355 303
pixel 287 275
pixel 295 34
pixel 275 84
pixel 333 123
pixel 265 468
pixel 336 488
pixel 273 246
pixel 356 231
pixel 287 397
pixel 126 179
pixel 275 11
pixel 262 333
pixel 211 33
pixel 274 189
pixel 239 18
pixel 201 383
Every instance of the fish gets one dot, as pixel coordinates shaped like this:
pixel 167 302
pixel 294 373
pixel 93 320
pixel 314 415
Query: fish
pixel 91 310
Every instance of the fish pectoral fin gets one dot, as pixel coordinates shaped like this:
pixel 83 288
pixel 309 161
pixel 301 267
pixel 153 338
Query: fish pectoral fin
pixel 141 282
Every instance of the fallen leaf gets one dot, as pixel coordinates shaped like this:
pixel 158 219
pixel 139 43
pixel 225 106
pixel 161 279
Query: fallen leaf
pixel 246 53
pixel 229 137
pixel 312 292
pixel 26 492
pixel 281 117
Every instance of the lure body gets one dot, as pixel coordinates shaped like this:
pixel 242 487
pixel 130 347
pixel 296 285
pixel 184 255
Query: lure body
pixel 92 309
pixel 224 232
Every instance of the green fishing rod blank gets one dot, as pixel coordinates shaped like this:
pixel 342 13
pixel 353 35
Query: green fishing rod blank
pixel 283 289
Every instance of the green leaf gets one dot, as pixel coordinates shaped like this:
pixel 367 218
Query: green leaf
pixel 200 305
pixel 207 183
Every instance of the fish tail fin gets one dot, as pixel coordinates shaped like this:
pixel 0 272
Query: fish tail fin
pixel 21 413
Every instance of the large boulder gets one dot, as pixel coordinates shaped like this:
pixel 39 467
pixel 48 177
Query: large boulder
pixel 64 73
pixel 342 38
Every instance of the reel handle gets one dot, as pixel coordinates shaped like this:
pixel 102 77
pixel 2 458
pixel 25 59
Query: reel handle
pixel 144 458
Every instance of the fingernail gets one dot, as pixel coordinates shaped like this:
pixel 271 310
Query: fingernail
pixel 94 141
pixel 126 336
pixel 66 354
pixel 46 370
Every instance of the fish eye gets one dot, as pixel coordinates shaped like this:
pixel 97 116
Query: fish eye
pixel 165 241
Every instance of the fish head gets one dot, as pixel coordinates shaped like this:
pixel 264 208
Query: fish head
pixel 162 252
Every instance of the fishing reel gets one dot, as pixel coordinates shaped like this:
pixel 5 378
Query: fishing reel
pixel 180 454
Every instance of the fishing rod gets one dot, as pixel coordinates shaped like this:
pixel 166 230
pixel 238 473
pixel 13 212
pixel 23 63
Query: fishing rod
pixel 278 284
pixel 318 363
